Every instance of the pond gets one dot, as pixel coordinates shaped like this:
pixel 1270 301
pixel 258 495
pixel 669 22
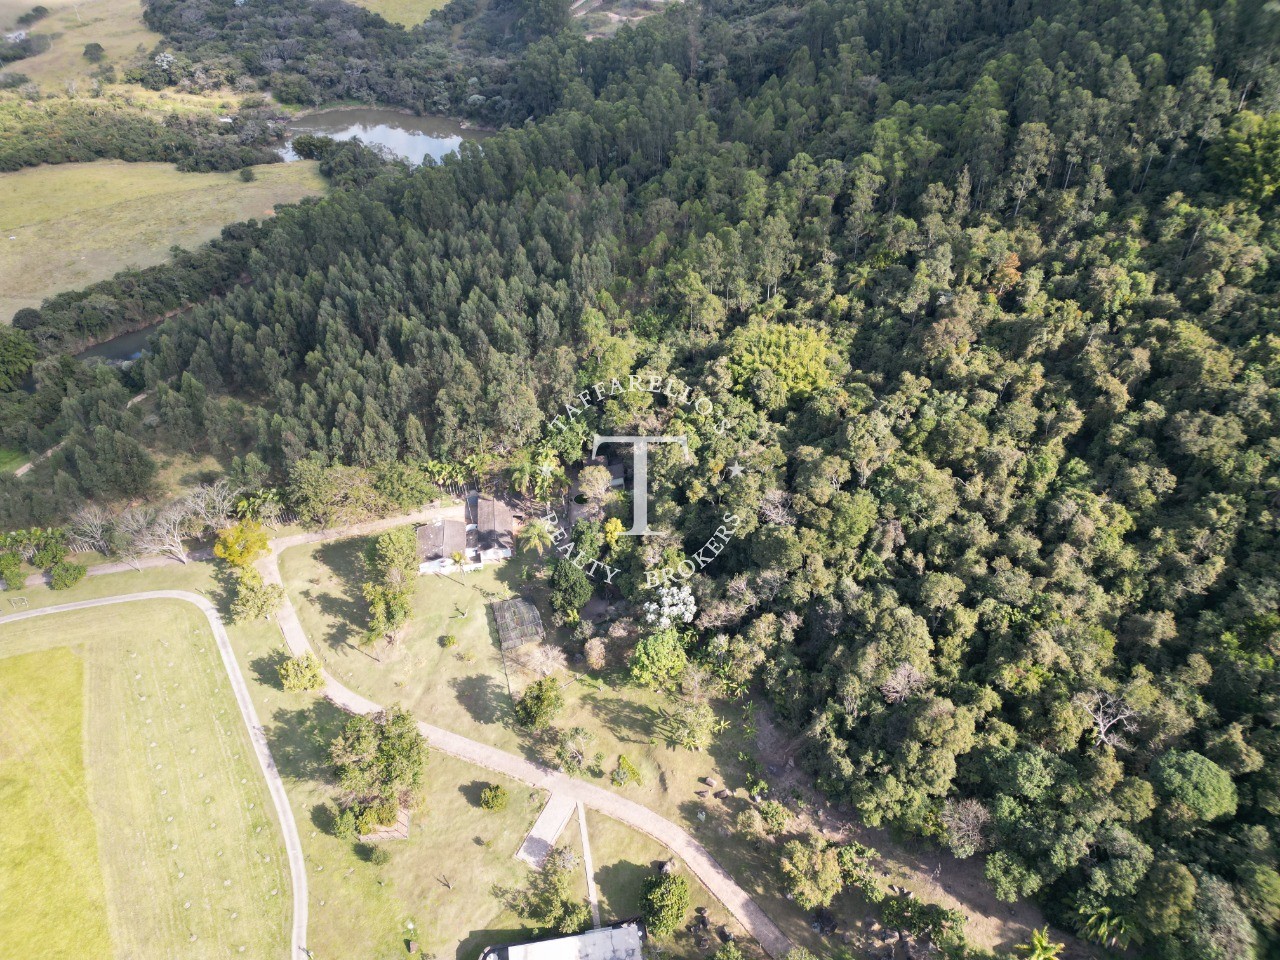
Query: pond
pixel 127 346
pixel 409 137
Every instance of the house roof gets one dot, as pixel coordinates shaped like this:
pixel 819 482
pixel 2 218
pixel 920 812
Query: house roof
pixel 440 539
pixel 519 622
pixel 621 941
pixel 493 522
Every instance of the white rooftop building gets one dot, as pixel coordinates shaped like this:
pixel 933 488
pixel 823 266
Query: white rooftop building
pixel 621 941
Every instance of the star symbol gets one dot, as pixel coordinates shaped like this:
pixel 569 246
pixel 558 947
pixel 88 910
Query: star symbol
pixel 736 469
pixel 546 470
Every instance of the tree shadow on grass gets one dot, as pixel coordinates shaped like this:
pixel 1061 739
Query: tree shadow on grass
pixel 299 740
pixel 483 698
pixel 629 722
pixel 266 668
pixel 474 943
pixel 225 585
pixel 343 559
pixel 621 885
pixel 322 818
pixel 471 791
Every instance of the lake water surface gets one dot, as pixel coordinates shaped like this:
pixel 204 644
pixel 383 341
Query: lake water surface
pixel 127 346
pixel 409 137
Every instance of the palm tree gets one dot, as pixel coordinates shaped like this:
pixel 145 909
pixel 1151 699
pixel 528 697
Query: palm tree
pixel 436 471
pixel 476 465
pixel 535 535
pixel 1041 947
pixel 523 473
pixel 1109 928
pixel 548 476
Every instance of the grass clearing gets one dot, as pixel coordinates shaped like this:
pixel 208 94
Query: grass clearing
pixel 624 860
pixel 441 880
pixel 407 13
pixel 188 842
pixel 71 24
pixel 465 688
pixel 11 460
pixel 52 882
pixel 74 224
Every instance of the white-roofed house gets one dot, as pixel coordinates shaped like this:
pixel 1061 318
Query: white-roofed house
pixel 619 941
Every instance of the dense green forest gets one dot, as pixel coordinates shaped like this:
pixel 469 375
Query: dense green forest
pixel 68 131
pixel 988 295
pixel 314 51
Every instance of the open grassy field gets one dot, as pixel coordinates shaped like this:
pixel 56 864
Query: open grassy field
pixel 408 13
pixel 67 226
pixel 116 24
pixel 191 860
pixel 465 688
pixel 52 881
pixel 357 907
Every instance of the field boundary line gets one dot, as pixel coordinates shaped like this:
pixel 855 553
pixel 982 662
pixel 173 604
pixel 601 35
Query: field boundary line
pixel 257 736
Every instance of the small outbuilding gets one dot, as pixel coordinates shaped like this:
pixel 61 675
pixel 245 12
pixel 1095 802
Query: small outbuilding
pixel 519 622
pixel 618 941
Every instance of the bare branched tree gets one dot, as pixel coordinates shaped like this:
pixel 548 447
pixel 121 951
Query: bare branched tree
pixel 696 682
pixel 966 824
pixel 543 659
pixel 597 653
pixel 775 507
pixel 739 589
pixel 165 533
pixel 904 681
pixel 90 529
pixel 130 534
pixel 720 613
pixel 210 506
pixel 1111 716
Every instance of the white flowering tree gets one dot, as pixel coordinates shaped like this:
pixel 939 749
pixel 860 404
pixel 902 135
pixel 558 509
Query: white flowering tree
pixel 674 605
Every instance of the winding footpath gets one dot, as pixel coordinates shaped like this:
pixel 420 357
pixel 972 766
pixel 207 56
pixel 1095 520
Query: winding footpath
pixel 585 795
pixel 705 867
pixel 288 827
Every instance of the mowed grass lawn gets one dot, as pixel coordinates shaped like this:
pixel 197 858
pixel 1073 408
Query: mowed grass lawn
pixel 443 886
pixel 52 901
pixel 358 908
pixel 66 226
pixel 439 885
pixel 464 688
pixel 625 859
pixel 408 13
pixel 179 820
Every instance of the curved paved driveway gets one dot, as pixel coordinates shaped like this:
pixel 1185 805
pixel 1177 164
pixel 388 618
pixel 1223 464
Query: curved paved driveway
pixel 292 843
pixel 738 902
pixel 670 835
